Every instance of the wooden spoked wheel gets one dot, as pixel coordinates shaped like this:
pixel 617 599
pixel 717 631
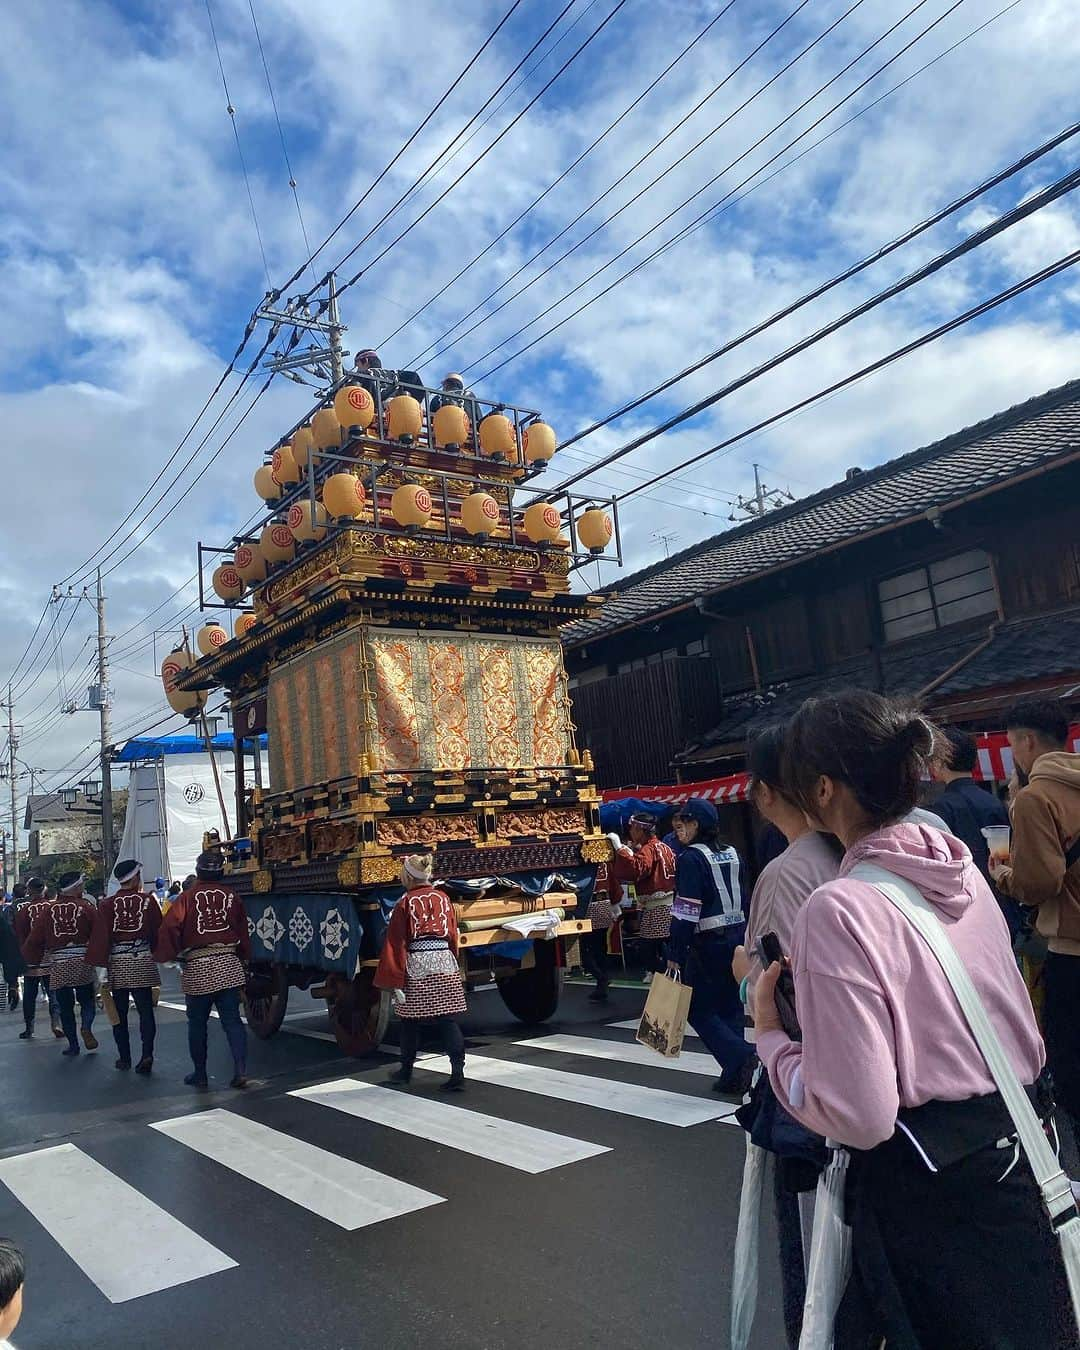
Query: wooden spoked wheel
pixel 359 1012
pixel 266 997
pixel 533 995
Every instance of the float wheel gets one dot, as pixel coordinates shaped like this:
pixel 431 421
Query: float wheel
pixel 533 995
pixel 359 1013
pixel 266 997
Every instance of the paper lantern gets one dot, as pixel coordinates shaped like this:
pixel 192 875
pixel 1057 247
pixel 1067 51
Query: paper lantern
pixel 276 543
pixel 266 485
pixel 497 439
pixel 284 467
pixel 302 525
pixel 244 624
pixel 343 495
pixel 180 700
pixel 480 513
pixel 210 637
pixel 542 522
pixel 326 430
pixel 227 581
pixel 250 563
pixel 594 529
pixel 354 406
pixel 301 446
pixel 538 443
pixel 411 505
pixel 404 418
pixel 451 427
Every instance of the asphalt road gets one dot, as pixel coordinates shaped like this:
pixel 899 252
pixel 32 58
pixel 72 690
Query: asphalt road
pixel 154 1215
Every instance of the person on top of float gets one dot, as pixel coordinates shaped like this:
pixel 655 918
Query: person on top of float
pixel 60 932
pixel 707 924
pixel 419 966
pixel 125 931
pixel 206 930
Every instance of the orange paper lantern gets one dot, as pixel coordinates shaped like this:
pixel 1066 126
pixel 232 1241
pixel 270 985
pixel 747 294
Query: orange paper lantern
pixel 301 446
pixel 284 467
pixel 227 581
pixel 276 543
pixel 250 563
pixel 450 426
pixel 303 525
pixel 542 523
pixel 497 439
pixel 538 443
pixel 594 529
pixel 210 637
pixel 343 495
pixel 180 700
pixel 354 406
pixel 480 513
pixel 411 505
pixel 266 485
pixel 244 624
pixel 404 418
pixel 326 430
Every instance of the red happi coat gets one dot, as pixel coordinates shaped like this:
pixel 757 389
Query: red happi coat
pixel 209 914
pixel 127 916
pixel 63 923
pixel 25 914
pixel 423 911
pixel 650 868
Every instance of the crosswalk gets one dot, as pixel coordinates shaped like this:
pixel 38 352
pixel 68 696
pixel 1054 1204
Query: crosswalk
pixel 67 1190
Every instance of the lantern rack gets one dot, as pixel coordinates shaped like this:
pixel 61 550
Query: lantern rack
pixel 571 506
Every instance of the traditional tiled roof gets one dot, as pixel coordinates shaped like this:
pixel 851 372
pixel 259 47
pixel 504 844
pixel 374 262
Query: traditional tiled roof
pixel 1028 436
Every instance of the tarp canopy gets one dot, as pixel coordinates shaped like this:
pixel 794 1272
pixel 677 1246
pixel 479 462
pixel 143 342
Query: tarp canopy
pixel 154 747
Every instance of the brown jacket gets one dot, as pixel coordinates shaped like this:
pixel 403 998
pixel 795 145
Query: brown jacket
pixel 1045 822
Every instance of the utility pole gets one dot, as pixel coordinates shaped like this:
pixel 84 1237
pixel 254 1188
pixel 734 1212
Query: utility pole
pixel 104 709
pixel 13 745
pixel 337 368
pixel 325 363
pixel 4 849
pixel 764 499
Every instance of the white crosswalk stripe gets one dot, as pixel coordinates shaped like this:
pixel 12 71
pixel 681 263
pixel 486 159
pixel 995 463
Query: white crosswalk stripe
pixel 625 1052
pixel 502 1141
pixel 632 1024
pixel 124 1242
pixel 338 1189
pixel 666 1108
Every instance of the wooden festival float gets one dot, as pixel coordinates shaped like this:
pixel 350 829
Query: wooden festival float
pixel 395 632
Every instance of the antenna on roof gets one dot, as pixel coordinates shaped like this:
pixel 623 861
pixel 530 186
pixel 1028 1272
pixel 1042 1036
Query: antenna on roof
pixel 666 539
pixel 764 499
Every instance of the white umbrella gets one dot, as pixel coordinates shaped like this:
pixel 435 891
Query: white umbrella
pixel 830 1256
pixel 744 1276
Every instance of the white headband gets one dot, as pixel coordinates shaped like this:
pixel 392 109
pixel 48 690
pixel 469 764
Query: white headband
pixel 74 885
pixel 416 873
pixel 129 875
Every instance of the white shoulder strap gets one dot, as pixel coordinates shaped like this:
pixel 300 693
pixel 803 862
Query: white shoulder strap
pixel 730 897
pixel 1053 1183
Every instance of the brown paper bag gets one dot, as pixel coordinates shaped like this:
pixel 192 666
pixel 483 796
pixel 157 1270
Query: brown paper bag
pixel 109 1005
pixel 663 1022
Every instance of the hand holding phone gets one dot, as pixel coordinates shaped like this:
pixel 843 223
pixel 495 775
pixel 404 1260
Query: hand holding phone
pixel 769 950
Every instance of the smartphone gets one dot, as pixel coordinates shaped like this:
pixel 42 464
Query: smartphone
pixel 769 950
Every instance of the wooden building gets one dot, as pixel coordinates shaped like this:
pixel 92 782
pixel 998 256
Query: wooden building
pixel 950 575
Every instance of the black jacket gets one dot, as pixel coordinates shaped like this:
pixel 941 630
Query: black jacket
pixel 966 808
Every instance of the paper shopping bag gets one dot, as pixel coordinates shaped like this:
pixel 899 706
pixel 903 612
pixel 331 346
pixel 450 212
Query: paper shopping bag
pixel 663 1022
pixel 109 1004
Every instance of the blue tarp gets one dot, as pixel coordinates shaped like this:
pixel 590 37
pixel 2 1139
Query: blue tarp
pixel 154 747
pixel 614 815
pixel 323 932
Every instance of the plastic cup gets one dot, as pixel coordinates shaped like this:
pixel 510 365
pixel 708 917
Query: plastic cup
pixel 998 840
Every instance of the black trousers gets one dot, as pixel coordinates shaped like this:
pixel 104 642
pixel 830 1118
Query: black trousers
pixel 32 984
pixel 653 953
pixel 453 1040
pixel 594 956
pixel 1061 1016
pixel 144 1006
pixel 87 1007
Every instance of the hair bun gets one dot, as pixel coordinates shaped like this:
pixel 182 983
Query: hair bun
pixel 916 736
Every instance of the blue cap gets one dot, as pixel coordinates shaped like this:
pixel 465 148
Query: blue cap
pixel 697 808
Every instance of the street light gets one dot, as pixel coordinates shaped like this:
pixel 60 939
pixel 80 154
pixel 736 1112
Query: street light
pixel 90 787
pixel 68 796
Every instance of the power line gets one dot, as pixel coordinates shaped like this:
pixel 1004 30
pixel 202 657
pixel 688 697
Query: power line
pixel 1004 222
pixel 239 149
pixel 555 183
pixel 977 311
pixel 281 133
pixel 412 137
pixel 30 643
pixel 958 204
pixel 760 141
pixel 622 178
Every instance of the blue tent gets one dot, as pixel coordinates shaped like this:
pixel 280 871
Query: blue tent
pixel 614 815
pixel 154 747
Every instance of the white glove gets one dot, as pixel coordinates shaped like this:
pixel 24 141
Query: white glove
pixel 615 842
pixel 399 997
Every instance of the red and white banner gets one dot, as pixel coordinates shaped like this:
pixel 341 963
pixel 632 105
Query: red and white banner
pixel 995 762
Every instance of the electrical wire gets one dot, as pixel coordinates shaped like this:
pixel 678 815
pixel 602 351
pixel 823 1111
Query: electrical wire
pixel 37 629
pixel 958 204
pixel 977 311
pixel 239 148
pixel 693 196
pixel 281 133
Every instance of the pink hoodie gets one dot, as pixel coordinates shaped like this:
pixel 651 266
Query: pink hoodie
pixel 881 1027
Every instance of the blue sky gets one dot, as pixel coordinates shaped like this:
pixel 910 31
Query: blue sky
pixel 130 265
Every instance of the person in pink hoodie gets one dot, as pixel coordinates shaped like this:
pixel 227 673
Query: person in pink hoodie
pixel 951 1247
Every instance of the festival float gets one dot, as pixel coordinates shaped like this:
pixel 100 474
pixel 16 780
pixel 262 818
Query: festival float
pixel 394 631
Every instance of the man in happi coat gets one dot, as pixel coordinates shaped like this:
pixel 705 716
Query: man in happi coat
pixel 58 937
pixel 649 866
pixel 125 931
pixel 33 902
pixel 419 965
pixel 206 930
